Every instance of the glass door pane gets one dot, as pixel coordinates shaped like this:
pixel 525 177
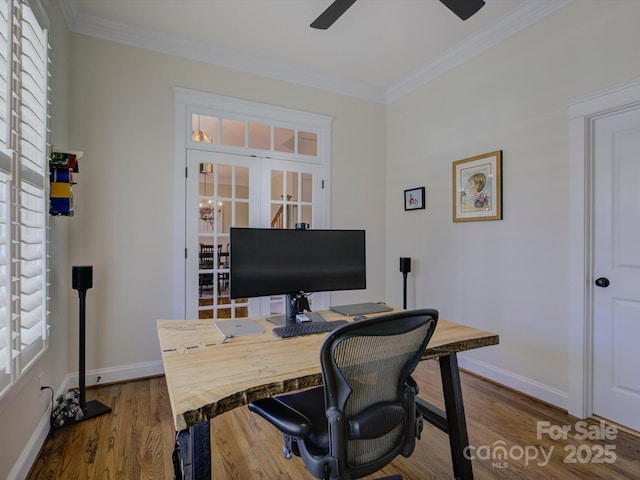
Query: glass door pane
pixel 294 197
pixel 218 198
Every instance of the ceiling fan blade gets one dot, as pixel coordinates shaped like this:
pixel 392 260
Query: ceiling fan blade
pixel 463 8
pixel 331 14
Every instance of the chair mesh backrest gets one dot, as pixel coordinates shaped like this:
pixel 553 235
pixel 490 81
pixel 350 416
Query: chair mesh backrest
pixel 372 367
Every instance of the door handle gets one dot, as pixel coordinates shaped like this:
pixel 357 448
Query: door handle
pixel 602 282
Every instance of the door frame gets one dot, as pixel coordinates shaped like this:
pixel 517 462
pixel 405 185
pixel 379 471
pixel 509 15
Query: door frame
pixel 583 112
pixel 187 101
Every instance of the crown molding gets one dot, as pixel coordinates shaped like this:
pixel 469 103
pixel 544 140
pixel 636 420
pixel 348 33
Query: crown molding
pixel 527 15
pixel 69 9
pixel 94 26
pixel 120 32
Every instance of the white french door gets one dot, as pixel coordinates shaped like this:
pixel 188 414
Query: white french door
pixel 616 384
pixel 222 191
pixel 228 190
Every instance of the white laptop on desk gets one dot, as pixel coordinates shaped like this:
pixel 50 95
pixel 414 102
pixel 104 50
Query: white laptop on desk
pixel 360 308
pixel 238 327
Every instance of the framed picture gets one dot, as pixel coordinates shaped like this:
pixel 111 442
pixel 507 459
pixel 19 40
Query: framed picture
pixel 414 198
pixel 477 188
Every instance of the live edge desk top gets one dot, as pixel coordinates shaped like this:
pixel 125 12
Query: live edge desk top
pixel 206 377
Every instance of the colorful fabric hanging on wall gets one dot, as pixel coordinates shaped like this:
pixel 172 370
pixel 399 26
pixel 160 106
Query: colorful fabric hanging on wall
pixel 62 166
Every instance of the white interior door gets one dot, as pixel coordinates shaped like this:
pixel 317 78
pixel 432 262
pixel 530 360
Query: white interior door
pixel 616 386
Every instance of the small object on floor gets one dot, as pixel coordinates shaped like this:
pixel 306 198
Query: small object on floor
pixel 67 409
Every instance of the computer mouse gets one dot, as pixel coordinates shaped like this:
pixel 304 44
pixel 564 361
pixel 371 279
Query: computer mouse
pixel 357 318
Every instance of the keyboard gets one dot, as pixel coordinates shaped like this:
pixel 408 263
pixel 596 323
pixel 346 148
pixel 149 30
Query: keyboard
pixel 308 328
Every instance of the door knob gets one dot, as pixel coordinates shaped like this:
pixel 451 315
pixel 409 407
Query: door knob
pixel 602 282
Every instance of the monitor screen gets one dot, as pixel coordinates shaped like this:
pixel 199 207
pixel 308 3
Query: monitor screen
pixel 273 262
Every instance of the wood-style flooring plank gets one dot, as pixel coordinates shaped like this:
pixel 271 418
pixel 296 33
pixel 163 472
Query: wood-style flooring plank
pixel 136 440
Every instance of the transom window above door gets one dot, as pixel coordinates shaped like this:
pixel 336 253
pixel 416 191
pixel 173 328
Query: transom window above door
pixel 247 134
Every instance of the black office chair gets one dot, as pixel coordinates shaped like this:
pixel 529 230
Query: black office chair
pixel 365 414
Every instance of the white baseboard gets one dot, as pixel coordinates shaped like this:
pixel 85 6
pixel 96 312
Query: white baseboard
pixel 517 382
pixel 118 374
pixel 93 377
pixel 31 450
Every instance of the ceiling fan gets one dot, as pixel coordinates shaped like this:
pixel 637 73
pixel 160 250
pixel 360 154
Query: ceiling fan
pixel 462 8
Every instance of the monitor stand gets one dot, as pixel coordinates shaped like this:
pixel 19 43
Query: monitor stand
pixel 283 321
pixel 296 303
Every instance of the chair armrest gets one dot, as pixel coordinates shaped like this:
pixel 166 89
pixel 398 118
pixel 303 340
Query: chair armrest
pixel 283 417
pixel 376 420
pixel 412 383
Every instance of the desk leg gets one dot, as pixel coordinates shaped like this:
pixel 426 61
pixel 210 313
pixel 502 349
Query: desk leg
pixel 192 456
pixel 454 406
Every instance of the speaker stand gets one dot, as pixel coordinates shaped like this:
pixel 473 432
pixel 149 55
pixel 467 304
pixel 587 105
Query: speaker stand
pixel 404 290
pixel 94 408
pixel 405 268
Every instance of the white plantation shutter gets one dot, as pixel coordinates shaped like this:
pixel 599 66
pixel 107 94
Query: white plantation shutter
pixel 32 197
pixel 23 191
pixel 33 96
pixel 5 55
pixel 32 265
pixel 6 352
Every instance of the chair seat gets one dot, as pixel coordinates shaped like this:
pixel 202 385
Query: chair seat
pixel 300 415
pixel 311 404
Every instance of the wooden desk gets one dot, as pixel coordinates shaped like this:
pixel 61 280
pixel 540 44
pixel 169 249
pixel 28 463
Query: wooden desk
pixel 206 377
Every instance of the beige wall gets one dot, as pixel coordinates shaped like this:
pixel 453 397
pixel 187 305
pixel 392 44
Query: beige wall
pixel 122 116
pixel 510 276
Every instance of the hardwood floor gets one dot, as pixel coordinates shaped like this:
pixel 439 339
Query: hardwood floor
pixel 135 441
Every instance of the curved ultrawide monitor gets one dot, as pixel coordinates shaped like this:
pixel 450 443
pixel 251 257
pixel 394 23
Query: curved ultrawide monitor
pixel 273 262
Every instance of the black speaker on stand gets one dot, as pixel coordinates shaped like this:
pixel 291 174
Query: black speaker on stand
pixel 405 267
pixel 82 280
